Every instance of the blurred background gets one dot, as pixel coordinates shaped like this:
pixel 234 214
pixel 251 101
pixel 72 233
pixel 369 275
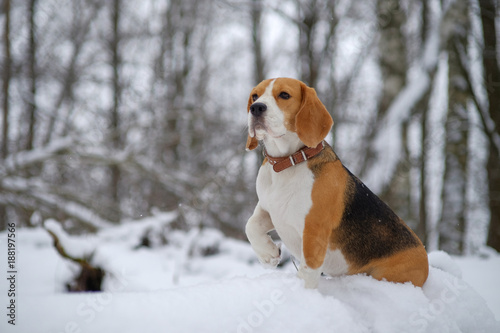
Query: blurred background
pixel 114 111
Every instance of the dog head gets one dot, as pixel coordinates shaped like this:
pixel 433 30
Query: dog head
pixel 283 108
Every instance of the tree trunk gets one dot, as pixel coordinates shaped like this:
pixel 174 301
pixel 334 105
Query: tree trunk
pixel 24 214
pixel 421 229
pixel 6 81
pixel 393 65
pixel 5 102
pixel 259 64
pixel 115 120
pixel 32 76
pixel 392 51
pixel 308 61
pixel 80 30
pixel 454 195
pixel 494 193
pixel 492 84
pixel 259 61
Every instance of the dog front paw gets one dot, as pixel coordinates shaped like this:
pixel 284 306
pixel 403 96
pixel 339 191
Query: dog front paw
pixel 270 258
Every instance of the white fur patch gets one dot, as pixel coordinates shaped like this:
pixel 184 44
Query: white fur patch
pixel 335 263
pixel 287 198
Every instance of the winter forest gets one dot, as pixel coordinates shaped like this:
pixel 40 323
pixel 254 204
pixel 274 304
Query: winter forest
pixel 115 110
pixel 123 126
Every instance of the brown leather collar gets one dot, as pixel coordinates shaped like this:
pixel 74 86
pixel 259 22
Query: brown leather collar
pixel 304 154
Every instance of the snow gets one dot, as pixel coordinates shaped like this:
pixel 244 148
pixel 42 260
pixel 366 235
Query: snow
pixel 202 281
pixel 482 274
pixel 443 261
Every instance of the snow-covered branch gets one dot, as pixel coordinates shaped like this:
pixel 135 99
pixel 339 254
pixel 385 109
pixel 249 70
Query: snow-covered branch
pixel 489 128
pixel 21 190
pixel 481 105
pixel 37 191
pixel 173 181
pixel 25 159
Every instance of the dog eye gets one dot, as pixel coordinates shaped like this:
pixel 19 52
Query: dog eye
pixel 284 95
pixel 254 97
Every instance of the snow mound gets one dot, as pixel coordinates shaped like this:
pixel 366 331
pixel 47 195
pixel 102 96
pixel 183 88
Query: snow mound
pixel 273 302
pixel 204 282
pixel 444 262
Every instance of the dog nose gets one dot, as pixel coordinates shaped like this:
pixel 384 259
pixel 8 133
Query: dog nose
pixel 258 108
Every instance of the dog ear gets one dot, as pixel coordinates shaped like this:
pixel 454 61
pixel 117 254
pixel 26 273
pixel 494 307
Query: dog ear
pixel 312 122
pixel 252 143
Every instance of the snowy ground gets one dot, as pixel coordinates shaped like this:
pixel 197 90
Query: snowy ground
pixel 177 288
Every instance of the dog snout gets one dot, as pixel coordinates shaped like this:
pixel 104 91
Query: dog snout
pixel 257 109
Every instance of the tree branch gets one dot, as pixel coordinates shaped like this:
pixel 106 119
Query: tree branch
pixel 35 190
pixel 487 122
pixel 25 159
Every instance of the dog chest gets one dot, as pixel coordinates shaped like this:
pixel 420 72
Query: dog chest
pixel 286 196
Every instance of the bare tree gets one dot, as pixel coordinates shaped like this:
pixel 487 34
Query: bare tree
pixel 32 75
pixel 392 53
pixel 6 80
pixel 308 18
pixel 83 15
pixel 422 109
pixel 453 216
pixel 5 101
pixel 256 30
pixel 394 66
pixel 115 132
pixel 392 58
pixel 314 48
pixel 491 118
pixel 6 77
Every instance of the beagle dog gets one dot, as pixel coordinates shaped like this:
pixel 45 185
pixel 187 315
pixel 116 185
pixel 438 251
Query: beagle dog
pixel 323 213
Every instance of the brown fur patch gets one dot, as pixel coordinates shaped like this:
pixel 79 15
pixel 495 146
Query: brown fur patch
pixel 312 122
pixel 252 143
pixel 291 106
pixel 327 208
pixel 410 265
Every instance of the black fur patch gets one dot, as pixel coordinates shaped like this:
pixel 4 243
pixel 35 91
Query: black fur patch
pixel 317 163
pixel 369 229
